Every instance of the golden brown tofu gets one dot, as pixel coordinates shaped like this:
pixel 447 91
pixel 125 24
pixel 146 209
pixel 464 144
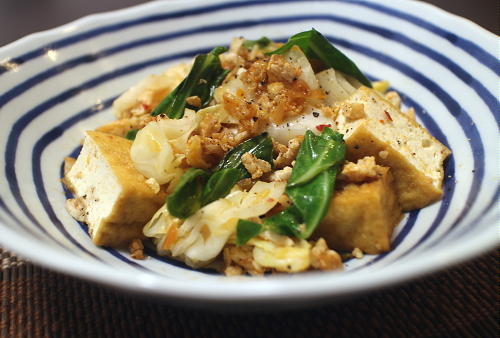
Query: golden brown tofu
pixel 114 199
pixel 395 140
pixel 362 216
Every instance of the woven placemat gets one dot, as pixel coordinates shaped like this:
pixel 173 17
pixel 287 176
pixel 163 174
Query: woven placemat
pixel 462 301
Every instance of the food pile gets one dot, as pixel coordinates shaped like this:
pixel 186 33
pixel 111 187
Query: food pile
pixel 263 157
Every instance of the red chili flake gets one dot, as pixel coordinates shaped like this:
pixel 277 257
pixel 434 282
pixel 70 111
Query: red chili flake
pixel 388 115
pixel 320 127
pixel 381 121
pixel 270 200
pixel 145 106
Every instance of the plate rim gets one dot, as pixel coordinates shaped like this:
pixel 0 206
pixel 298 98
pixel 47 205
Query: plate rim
pixel 150 287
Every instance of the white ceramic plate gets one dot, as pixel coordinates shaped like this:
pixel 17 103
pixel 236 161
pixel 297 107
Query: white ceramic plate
pixel 56 84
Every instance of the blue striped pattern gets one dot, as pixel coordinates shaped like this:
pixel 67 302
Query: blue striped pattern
pixel 465 119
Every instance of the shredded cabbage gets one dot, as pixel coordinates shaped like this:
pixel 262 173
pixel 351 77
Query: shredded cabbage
pixel 203 235
pixel 159 148
pixel 336 85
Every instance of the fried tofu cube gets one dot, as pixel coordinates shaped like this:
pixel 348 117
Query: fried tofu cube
pixel 397 141
pixel 113 198
pixel 362 216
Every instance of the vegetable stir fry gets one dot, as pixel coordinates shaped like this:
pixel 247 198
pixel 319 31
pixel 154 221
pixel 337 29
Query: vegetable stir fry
pixel 261 157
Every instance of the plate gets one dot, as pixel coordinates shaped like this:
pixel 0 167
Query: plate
pixel 59 83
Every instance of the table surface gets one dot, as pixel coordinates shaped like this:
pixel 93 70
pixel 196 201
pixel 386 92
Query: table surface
pixel 37 302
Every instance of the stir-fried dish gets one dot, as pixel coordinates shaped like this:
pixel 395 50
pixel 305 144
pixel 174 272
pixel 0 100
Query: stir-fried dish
pixel 264 157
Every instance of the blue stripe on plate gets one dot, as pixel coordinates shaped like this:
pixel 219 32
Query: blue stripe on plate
pixel 470 225
pixel 30 216
pixel 408 226
pixel 151 252
pixel 17 221
pixel 466 45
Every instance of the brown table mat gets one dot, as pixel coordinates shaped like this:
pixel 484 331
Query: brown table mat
pixel 462 301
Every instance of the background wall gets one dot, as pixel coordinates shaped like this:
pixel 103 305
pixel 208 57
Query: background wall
pixel 21 17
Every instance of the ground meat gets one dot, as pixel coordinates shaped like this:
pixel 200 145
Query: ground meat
pixel 136 249
pixel 239 107
pixel 231 60
pixel 212 148
pixel 209 125
pixel 256 167
pixel 275 88
pixel 255 78
pixel 194 153
pixel 383 154
pixel 194 101
pixel 246 184
pixel 227 140
pixel 357 253
pixel 76 208
pixel 354 111
pixel 153 184
pixel 280 175
pixel 410 113
pixel 279 70
pixel 242 257
pixel 364 170
pixel 322 258
pixel 205 152
pixel 233 270
pixel 211 141
pixel 287 154
pixel 394 98
pixel 272 91
pixel 329 112
pixel 68 164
